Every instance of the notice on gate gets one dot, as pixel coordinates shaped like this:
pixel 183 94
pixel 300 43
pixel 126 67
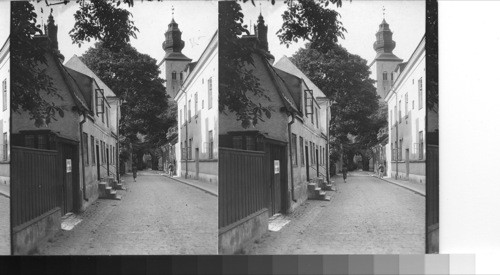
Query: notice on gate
pixel 68 165
pixel 276 166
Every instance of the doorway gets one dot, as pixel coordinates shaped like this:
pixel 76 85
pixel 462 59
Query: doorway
pixel 307 162
pixel 407 159
pixel 197 159
pixel 98 157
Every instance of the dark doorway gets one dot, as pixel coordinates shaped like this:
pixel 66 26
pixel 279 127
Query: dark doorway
pixel 407 155
pixel 197 159
pixel 98 157
pixel 317 164
pixel 307 163
pixel 107 160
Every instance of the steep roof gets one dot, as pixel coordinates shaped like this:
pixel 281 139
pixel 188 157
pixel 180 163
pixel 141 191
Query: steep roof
pixel 286 65
pixel 85 84
pixel 280 85
pixel 77 64
pixel 293 83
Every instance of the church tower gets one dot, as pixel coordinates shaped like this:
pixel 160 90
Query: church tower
pixel 385 61
pixel 173 64
pixel 260 31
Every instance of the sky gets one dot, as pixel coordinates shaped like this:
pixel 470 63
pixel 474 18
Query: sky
pixel 152 19
pixel 406 20
pixel 4 21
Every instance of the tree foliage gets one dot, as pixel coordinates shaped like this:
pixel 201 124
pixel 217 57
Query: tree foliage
pixel 95 19
pixel 29 82
pixel 310 20
pixel 345 79
pixel 134 77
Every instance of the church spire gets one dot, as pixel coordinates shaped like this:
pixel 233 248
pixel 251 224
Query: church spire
pixel 261 32
pixel 384 42
pixel 173 42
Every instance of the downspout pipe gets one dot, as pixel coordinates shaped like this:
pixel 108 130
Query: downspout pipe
pixel 83 156
pixel 290 153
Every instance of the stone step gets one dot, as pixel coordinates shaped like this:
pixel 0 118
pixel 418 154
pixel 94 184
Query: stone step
pixel 327 198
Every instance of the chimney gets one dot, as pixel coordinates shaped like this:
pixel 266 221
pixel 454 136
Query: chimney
pixel 51 32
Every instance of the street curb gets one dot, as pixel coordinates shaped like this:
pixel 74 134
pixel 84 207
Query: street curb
pixel 400 185
pixel 195 186
pixel 5 194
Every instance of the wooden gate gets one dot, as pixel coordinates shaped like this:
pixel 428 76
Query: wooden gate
pixel 432 199
pixel 278 178
pixel 69 162
pixel 36 183
pixel 242 185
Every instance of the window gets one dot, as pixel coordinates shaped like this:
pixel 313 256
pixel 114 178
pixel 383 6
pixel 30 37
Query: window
pixel 174 75
pixel 406 104
pixel 195 103
pixel 312 110
pixel 400 110
pixel 421 145
pixel 237 142
pixel 42 142
pixel 185 112
pixel 29 141
pixel 400 150
pixel 316 112
pixel 301 144
pixel 392 77
pixel 189 110
pixel 102 151
pixel 107 116
pixel 190 147
pixel 86 149
pixel 420 94
pixel 294 149
pixel 4 93
pixel 181 76
pixel 92 148
pixel 250 143
pixel 384 76
pixel 209 93
pixel 96 110
pixel 305 103
pixel 102 102
pixel 210 144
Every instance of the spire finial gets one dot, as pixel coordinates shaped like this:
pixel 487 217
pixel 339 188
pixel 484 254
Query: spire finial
pixel 383 11
pixel 260 5
pixel 172 11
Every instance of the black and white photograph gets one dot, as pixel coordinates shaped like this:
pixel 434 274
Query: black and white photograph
pixel 97 165
pixel 324 125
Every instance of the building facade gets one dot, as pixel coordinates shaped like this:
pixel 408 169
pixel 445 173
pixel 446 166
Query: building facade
pixel 198 113
pixel 5 114
pixel 407 110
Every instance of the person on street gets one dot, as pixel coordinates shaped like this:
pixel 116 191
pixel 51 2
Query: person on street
pixel 134 172
pixel 381 170
pixel 171 169
pixel 344 173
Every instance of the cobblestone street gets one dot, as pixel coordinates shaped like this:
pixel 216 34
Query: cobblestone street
pixel 156 215
pixel 366 216
pixel 4 225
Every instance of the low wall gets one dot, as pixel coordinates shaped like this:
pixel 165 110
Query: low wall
pixel 208 170
pixel 27 236
pixel 234 237
pixel 417 171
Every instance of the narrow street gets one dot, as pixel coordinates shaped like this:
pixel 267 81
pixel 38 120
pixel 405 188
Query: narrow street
pixel 156 215
pixel 4 225
pixel 366 216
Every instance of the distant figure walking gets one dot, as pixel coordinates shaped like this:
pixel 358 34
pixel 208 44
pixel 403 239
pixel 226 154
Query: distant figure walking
pixel 134 172
pixel 171 169
pixel 344 173
pixel 381 170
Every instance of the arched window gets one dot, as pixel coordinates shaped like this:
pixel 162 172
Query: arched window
pixel 384 76
pixel 174 75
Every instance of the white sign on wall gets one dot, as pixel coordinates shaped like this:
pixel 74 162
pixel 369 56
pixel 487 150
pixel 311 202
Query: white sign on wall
pixel 68 165
pixel 276 166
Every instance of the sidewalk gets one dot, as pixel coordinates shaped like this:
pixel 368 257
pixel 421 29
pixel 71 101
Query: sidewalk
pixel 415 187
pixel 208 187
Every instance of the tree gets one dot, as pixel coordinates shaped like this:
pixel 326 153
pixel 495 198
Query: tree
pixel 309 20
pixel 345 78
pixel 134 77
pixel 96 19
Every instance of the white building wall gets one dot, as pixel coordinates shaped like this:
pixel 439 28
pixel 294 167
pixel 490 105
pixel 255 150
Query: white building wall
pixel 5 114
